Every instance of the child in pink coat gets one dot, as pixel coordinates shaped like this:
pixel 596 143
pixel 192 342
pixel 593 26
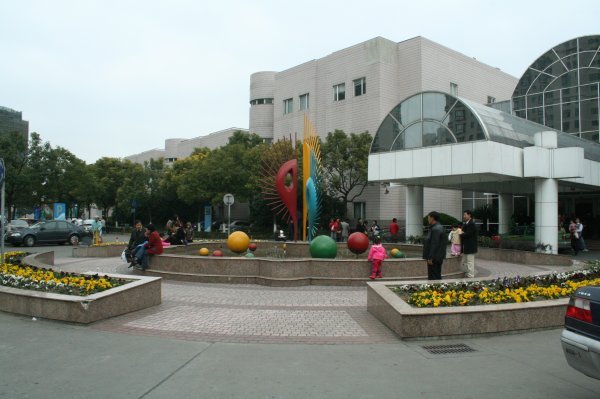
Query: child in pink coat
pixel 376 255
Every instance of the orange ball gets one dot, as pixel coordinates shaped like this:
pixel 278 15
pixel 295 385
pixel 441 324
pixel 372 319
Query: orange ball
pixel 238 242
pixel 203 252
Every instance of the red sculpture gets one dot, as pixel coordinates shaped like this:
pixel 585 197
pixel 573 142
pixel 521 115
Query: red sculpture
pixel 289 192
pixel 358 243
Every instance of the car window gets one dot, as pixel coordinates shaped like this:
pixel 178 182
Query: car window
pixel 18 223
pixel 64 225
pixel 51 225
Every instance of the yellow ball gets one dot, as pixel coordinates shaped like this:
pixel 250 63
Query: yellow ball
pixel 394 251
pixel 238 242
pixel 203 252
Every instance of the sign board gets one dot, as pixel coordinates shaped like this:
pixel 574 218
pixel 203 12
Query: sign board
pixel 207 218
pixel 228 199
pixel 59 211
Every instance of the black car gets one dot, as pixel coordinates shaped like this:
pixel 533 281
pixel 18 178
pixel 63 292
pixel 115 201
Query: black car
pixel 54 231
pixel 581 337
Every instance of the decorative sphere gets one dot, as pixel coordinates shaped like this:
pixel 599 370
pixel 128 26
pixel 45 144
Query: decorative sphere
pixel 238 242
pixel 358 243
pixel 252 247
pixel 217 252
pixel 249 255
pixel 399 254
pixel 203 252
pixel 394 252
pixel 323 247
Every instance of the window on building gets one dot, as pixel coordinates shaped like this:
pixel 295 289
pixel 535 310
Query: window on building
pixel 304 102
pixel 259 101
pixel 288 106
pixel 359 210
pixel 491 100
pixel 454 89
pixel 360 87
pixel 339 92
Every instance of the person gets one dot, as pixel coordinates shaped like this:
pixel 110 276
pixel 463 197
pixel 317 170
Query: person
pixel 360 227
pixel 575 238
pixel 375 230
pixel 469 243
pixel 579 229
pixel 176 236
pixel 189 233
pixel 345 230
pixel 434 247
pixel 152 247
pixel 394 229
pixel 332 228
pixel 137 237
pixel 376 256
pixel 97 230
pixel 456 245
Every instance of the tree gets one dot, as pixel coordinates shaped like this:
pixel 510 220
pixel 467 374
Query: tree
pixel 248 140
pixel 110 174
pixel 345 164
pixel 18 187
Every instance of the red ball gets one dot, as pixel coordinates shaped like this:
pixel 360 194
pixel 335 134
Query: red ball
pixel 358 242
pixel 252 247
pixel 218 252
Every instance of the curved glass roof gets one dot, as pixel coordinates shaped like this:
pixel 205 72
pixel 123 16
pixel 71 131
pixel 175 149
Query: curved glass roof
pixel 561 89
pixel 434 118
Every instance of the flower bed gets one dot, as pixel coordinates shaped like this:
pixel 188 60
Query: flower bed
pixel 499 291
pixel 13 274
pixel 109 244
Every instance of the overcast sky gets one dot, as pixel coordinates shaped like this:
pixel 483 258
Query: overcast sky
pixel 114 78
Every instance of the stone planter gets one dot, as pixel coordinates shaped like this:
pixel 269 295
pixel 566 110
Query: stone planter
pixel 411 322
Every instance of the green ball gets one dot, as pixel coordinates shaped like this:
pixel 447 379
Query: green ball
pixel 399 254
pixel 249 255
pixel 323 247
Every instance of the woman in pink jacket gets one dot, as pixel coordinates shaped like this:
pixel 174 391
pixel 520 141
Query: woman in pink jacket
pixel 376 255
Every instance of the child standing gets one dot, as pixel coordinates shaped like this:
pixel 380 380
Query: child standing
pixel 376 255
pixel 456 247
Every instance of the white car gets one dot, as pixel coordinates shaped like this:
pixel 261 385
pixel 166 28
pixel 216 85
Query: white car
pixel 581 337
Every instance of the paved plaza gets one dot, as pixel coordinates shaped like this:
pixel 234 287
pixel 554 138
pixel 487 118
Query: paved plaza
pixel 250 341
pixel 252 313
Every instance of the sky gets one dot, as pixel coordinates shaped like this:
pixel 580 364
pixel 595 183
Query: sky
pixel 115 78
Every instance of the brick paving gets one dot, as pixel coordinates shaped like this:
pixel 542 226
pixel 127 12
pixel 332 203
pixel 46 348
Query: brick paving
pixel 253 313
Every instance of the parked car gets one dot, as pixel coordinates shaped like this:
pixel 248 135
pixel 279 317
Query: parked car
pixel 54 231
pixel 240 225
pixel 580 338
pixel 87 224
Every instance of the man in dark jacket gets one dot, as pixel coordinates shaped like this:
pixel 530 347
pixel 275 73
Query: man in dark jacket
pixel 137 236
pixel 434 247
pixel 469 243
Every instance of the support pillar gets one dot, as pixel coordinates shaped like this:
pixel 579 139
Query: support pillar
pixel 546 212
pixel 505 211
pixel 414 211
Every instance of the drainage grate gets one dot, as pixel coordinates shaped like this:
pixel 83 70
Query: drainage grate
pixel 448 349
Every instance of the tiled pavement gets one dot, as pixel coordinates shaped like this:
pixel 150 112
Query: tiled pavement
pixel 253 313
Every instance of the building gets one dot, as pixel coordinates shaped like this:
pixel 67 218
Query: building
pixel 181 148
pixel 436 139
pixel 355 88
pixel 12 121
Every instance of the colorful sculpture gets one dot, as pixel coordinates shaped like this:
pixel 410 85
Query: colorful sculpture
pixel 311 172
pixel 323 247
pixel 238 242
pixel 358 243
pixel 203 252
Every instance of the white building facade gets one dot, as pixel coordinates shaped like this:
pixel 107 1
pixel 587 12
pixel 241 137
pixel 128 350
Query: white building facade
pixel 355 88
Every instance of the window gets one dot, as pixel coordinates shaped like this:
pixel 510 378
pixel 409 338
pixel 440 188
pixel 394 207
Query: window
pixel 339 92
pixel 304 102
pixel 491 99
pixel 359 210
pixel 453 89
pixel 259 101
pixel 288 106
pixel 360 87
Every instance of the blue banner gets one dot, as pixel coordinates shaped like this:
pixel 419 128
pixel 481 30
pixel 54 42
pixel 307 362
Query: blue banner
pixel 59 211
pixel 207 217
